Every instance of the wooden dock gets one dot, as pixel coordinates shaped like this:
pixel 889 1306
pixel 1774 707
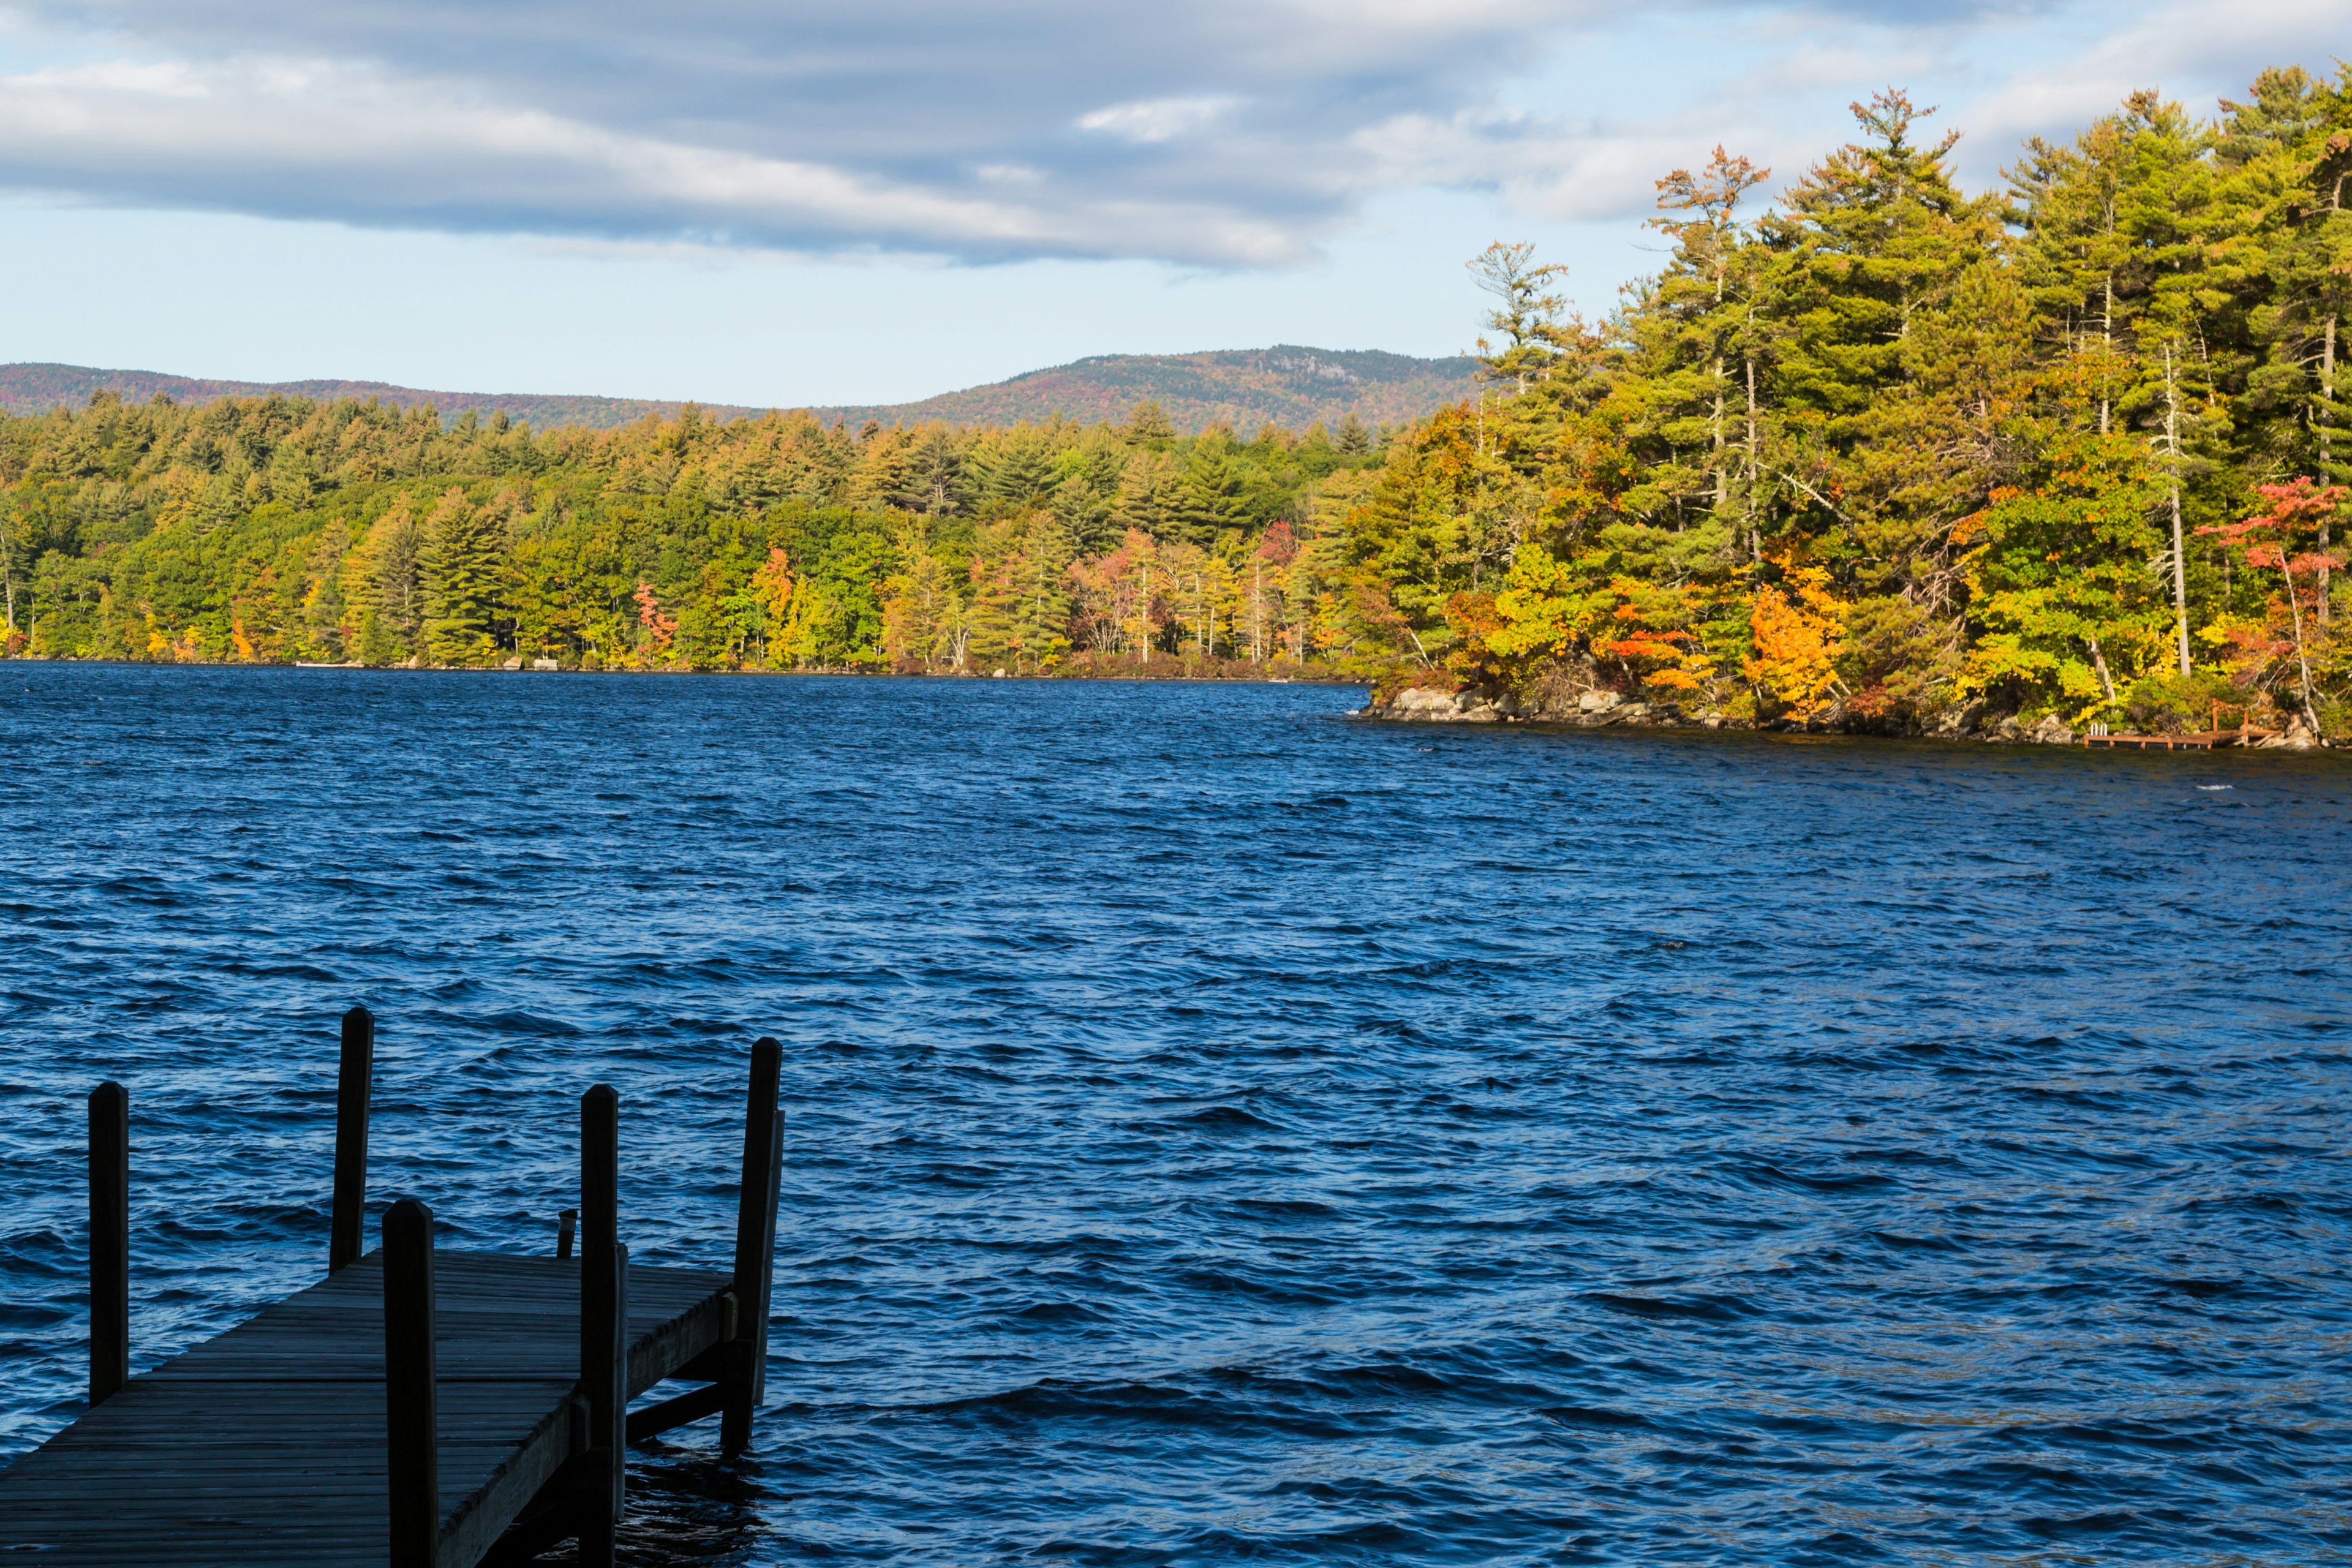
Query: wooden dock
pixel 415 1408
pixel 2100 737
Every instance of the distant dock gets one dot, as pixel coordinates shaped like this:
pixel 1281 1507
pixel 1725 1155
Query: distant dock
pixel 2245 734
pixel 417 1408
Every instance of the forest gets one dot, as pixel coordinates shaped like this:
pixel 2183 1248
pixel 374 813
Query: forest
pixel 1870 454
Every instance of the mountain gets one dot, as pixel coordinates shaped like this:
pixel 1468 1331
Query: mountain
pixel 1246 389
pixel 37 388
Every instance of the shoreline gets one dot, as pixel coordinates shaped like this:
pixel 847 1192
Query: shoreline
pixel 1173 679
pixel 1410 706
pixel 1599 710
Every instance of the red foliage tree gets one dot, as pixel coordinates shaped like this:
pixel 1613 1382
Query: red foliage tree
pixel 2273 537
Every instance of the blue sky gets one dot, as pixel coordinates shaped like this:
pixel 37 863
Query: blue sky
pixel 789 202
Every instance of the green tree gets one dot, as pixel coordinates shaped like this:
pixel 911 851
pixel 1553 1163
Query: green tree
pixel 459 561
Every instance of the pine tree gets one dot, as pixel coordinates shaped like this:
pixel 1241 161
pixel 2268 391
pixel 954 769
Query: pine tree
pixel 1527 313
pixel 460 559
pixel 1147 426
pixel 936 481
pixel 1017 467
pixel 1041 619
pixel 1698 355
pixel 1884 446
pixel 886 467
pixel 1210 489
pixel 1086 479
pixel 395 546
pixel 1148 496
pixel 1872 237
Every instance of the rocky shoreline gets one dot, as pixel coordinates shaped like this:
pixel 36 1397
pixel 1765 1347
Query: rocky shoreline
pixel 1600 708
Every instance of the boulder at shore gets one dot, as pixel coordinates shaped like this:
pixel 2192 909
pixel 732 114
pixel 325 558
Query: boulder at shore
pixel 1597 707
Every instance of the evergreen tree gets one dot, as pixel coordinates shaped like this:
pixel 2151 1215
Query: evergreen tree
pixel 1086 493
pixel 396 545
pixel 1147 426
pixel 1527 313
pixel 1148 496
pixel 1041 622
pixel 1699 356
pixel 460 561
pixel 1209 491
pixel 936 481
pixel 1017 467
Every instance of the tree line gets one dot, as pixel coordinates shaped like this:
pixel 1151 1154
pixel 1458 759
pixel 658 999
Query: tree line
pixel 1874 453
pixel 277 528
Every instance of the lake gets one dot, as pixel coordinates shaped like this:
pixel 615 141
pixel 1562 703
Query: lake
pixel 1221 1130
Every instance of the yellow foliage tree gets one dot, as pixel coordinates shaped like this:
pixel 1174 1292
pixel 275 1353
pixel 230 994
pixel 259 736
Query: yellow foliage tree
pixel 1545 607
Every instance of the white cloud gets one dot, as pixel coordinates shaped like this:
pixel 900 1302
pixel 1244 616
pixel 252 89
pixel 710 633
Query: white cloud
pixel 1225 132
pixel 2215 48
pixel 324 138
pixel 1156 120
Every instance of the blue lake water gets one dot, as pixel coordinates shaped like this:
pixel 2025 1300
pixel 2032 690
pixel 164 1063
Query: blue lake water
pixel 1219 1131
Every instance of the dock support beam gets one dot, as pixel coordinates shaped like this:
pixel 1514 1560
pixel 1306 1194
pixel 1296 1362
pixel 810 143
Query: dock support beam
pixel 604 1324
pixel 755 1245
pixel 412 1427
pixel 109 1240
pixel 343 1233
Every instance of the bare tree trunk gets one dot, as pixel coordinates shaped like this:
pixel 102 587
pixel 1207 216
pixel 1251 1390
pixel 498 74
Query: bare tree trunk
pixel 2295 607
pixel 2099 663
pixel 2328 395
pixel 2108 341
pixel 1257 612
pixel 2327 392
pixel 1755 541
pixel 1722 476
pixel 2180 542
pixel 1722 473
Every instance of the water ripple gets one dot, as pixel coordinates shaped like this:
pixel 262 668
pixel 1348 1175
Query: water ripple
pixel 1218 1131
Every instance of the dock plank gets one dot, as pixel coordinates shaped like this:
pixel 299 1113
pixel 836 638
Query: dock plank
pixel 266 1444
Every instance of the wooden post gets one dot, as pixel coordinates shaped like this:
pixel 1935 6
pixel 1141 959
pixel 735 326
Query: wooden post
pixel 413 1428
pixel 351 1084
pixel 565 1223
pixel 109 1240
pixel 755 1244
pixel 603 1323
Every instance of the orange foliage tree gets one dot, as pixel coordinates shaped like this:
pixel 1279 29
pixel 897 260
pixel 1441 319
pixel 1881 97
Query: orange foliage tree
pixel 1797 627
pixel 2277 538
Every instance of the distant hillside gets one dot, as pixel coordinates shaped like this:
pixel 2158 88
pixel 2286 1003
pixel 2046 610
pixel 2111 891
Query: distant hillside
pixel 37 388
pixel 1246 389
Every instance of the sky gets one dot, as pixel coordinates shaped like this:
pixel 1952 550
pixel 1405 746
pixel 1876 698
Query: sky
pixel 778 202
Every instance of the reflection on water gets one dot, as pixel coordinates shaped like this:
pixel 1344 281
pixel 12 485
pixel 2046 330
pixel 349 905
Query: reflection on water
pixel 1219 1130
